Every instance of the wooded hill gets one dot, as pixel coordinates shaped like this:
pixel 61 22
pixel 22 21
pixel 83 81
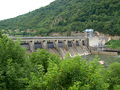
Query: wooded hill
pixel 70 15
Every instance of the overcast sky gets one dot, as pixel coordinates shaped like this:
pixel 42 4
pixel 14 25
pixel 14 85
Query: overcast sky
pixel 13 8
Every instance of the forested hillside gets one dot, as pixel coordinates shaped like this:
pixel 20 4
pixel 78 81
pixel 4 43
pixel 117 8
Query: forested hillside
pixel 69 15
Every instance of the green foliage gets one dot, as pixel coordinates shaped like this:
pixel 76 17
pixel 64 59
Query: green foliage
pixel 42 57
pixel 12 60
pixel 44 71
pixel 114 44
pixel 114 76
pixel 75 74
pixel 35 79
pixel 68 15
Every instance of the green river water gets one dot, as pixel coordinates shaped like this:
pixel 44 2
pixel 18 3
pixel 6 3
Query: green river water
pixel 106 58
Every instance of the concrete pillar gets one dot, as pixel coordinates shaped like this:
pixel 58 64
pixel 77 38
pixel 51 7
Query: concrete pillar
pixel 66 44
pixel 87 42
pixel 74 43
pixel 31 44
pixel 44 44
pixel 56 44
pixel 80 43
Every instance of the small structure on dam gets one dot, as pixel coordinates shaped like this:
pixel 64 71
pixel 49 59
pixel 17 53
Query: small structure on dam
pixel 58 45
pixel 89 32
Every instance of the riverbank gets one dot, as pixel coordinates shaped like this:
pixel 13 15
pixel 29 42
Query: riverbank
pixel 104 53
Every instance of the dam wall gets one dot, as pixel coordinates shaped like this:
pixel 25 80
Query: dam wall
pixel 58 45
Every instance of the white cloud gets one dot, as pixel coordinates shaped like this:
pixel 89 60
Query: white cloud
pixel 12 8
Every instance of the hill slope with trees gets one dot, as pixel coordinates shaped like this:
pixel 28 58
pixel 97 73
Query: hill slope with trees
pixel 69 15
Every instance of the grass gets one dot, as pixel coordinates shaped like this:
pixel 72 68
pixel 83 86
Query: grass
pixel 113 44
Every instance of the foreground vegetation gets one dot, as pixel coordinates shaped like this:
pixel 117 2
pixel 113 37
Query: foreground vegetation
pixel 66 16
pixel 114 44
pixel 44 71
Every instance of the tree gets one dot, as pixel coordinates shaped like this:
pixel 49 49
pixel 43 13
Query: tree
pixel 114 76
pixel 75 74
pixel 12 60
pixel 101 15
pixel 42 57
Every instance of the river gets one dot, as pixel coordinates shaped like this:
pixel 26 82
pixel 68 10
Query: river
pixel 106 58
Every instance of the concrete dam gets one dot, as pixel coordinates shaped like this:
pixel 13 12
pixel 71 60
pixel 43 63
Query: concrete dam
pixel 58 45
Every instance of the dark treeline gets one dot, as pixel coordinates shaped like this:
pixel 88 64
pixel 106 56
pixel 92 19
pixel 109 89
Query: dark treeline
pixel 44 71
pixel 69 15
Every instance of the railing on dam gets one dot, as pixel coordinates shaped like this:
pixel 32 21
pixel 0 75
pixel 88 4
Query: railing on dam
pixel 14 38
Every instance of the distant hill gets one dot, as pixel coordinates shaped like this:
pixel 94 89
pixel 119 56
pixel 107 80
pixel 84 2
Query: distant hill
pixel 69 15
